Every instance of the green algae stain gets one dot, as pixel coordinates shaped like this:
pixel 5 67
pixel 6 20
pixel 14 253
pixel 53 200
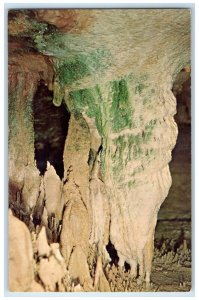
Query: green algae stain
pixel 103 159
pixel 147 99
pixel 78 66
pixel 150 154
pixel 139 88
pixel 129 148
pixel 118 156
pixel 72 70
pixel 117 173
pixel 37 27
pixel 88 101
pixel 120 111
pixel 148 131
pixel 131 183
pixel 137 152
pixel 138 170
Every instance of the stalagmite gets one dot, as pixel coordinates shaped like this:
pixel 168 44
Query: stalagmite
pixel 42 244
pixel 53 188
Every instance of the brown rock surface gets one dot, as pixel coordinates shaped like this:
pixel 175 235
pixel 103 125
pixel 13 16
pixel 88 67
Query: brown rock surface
pixel 66 20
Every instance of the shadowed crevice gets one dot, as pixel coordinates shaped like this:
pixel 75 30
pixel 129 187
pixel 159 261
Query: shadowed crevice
pixel 50 129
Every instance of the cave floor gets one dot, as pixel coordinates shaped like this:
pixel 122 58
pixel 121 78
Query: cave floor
pixel 171 278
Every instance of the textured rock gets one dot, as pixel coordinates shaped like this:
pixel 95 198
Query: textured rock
pixel 21 272
pixel 76 227
pixel 78 268
pixel 36 287
pixel 66 20
pixel 100 208
pixel 42 244
pixel 21 148
pixel 24 179
pixel 78 288
pixel 101 284
pixel 114 69
pixel 50 265
pixel 56 252
pixel 53 189
pixel 50 272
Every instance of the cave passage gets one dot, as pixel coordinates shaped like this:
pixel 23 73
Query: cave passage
pixel 112 253
pixel 175 212
pixel 50 130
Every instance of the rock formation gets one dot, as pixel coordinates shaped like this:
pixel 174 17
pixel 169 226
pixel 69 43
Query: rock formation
pixel 97 173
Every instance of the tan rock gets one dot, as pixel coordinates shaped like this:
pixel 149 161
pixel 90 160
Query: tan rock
pixel 55 248
pixel 78 288
pixel 100 283
pixel 21 273
pixel 36 287
pixel 50 272
pixel 78 268
pixel 53 187
pixel 42 243
pixel 31 188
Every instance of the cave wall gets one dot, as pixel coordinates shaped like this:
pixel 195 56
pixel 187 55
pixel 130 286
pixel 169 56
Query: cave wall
pixel 24 180
pixel 113 70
